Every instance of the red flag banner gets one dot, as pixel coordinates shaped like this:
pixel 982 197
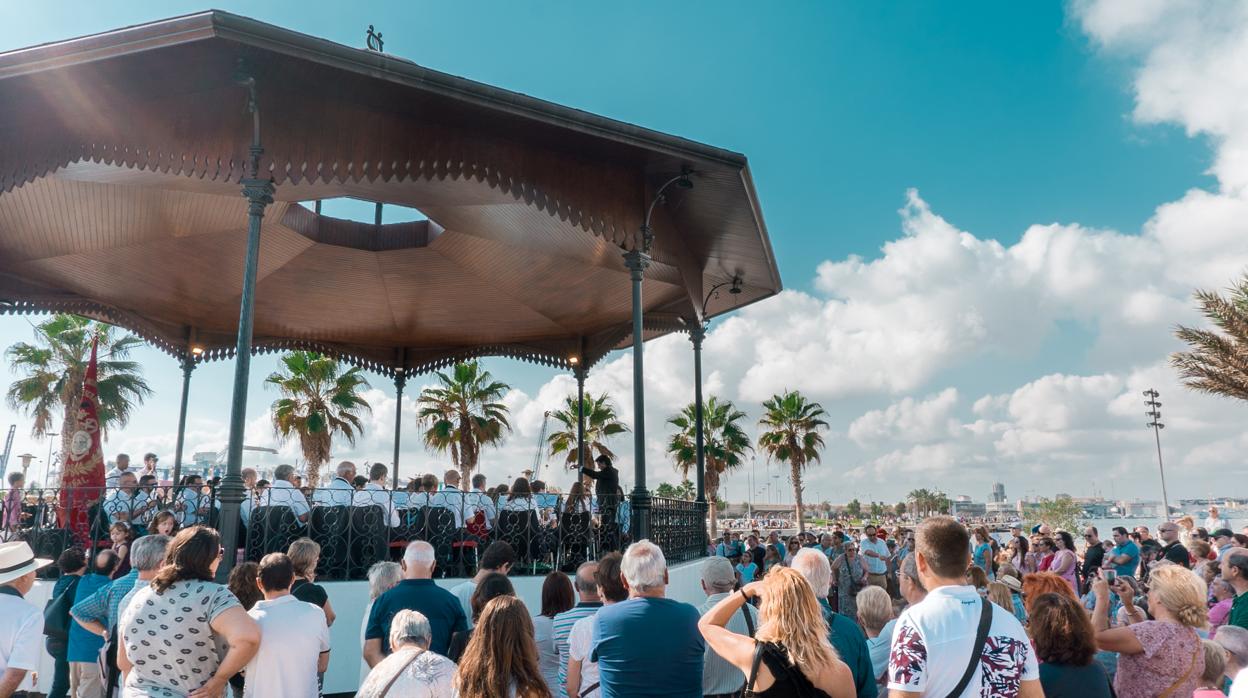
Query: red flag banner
pixel 82 478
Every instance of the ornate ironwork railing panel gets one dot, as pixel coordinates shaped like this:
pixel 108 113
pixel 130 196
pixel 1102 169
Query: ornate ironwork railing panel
pixel 358 528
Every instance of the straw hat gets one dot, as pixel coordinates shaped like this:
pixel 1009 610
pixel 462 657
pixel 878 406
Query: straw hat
pixel 1011 582
pixel 18 560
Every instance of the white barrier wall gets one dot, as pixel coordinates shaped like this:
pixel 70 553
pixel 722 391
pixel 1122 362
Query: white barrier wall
pixel 350 599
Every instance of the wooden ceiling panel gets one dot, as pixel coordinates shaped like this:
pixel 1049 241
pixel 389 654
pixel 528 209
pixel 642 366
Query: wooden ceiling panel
pixel 120 197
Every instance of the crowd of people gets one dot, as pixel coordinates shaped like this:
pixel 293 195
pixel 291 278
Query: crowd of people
pixel 942 617
pixel 942 609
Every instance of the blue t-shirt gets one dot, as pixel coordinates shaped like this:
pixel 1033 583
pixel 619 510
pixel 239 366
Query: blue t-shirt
pixel 747 572
pixel 440 606
pixel 983 557
pixel 84 645
pixel 648 647
pixel 1131 549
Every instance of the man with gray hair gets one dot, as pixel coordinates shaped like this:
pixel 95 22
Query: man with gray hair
pixel 99 612
pixel 338 491
pixel 648 645
pixel 588 603
pixel 843 632
pixel 283 492
pixel 417 592
pixel 1234 640
pixel 720 678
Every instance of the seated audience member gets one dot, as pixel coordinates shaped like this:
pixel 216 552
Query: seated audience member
pixel 339 490
pixel 284 493
pixel 412 670
pixel 373 492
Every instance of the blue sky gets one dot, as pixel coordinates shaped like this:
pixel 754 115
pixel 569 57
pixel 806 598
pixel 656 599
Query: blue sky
pixel 1002 116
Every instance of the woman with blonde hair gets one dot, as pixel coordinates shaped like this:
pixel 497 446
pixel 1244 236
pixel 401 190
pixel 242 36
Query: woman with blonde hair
pixel 999 594
pixel 305 554
pixel 1160 657
pixel 790 654
pixel 501 658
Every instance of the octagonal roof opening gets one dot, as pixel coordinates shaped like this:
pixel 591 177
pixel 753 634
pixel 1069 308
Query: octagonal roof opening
pixel 349 208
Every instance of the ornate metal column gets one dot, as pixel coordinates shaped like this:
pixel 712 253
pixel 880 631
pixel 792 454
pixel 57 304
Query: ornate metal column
pixel 188 365
pixel 580 417
pixel 637 261
pixel 697 332
pixel 400 380
pixel 259 193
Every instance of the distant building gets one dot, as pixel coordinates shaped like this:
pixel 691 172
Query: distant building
pixel 963 506
pixel 998 493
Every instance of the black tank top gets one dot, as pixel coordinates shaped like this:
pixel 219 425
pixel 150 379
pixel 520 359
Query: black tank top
pixel 789 681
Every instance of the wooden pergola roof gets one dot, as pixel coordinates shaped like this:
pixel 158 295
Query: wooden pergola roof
pixel 121 155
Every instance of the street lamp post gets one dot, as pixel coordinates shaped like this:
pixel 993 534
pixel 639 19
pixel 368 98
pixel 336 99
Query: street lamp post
pixel 1155 413
pixel 47 473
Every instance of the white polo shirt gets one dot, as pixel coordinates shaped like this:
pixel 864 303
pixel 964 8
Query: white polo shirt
pixel 283 494
pixel 933 641
pixel 293 634
pixel 374 494
pixel 337 493
pixel 21 635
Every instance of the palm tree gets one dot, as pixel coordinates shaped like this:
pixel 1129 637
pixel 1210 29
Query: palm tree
pixel 53 368
pixel 792 426
pixel 1218 362
pixel 319 401
pixel 463 413
pixel 724 444
pixel 601 423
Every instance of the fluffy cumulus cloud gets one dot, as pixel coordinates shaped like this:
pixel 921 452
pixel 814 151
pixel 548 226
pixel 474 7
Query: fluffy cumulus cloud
pixel 893 344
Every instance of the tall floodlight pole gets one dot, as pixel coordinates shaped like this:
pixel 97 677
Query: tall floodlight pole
pixel 1155 413
pixel 259 194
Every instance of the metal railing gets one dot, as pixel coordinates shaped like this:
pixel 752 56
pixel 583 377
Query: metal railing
pixel 358 528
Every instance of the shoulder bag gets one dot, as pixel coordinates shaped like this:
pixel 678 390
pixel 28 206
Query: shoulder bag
pixel 56 613
pixel 390 684
pixel 981 636
pixel 1183 679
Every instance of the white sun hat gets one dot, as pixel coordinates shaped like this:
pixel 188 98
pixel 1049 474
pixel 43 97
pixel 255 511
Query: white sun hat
pixel 17 560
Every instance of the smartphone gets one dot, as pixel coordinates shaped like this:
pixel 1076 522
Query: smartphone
pixel 1110 575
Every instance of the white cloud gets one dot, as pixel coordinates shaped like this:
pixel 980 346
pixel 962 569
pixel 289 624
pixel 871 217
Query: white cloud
pixel 910 420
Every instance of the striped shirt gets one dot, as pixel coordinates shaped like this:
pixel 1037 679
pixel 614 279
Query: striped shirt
pixel 562 629
pixel 720 676
pixel 103 606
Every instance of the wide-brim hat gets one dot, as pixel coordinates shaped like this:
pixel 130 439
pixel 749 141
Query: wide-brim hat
pixel 18 560
pixel 1011 582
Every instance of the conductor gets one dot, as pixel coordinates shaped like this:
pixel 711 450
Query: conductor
pixel 607 488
